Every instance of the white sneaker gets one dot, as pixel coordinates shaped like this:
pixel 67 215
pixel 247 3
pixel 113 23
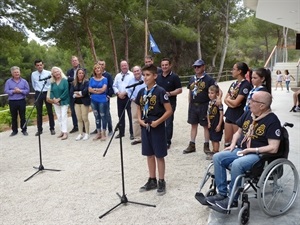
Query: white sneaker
pixel 79 137
pixel 85 137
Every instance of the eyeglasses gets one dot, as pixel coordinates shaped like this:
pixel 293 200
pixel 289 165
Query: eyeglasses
pixel 197 67
pixel 252 100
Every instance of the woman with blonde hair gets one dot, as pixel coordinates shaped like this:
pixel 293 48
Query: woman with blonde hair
pixel 59 94
pixel 97 88
pixel 82 101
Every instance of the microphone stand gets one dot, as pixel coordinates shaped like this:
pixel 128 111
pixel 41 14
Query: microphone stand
pixel 123 197
pixel 40 167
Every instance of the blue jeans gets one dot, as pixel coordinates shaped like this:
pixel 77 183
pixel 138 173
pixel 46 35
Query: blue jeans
pixel 100 113
pixel 238 165
pixel 287 83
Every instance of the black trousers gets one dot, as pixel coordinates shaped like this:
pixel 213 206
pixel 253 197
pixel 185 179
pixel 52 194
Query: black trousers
pixel 39 109
pixel 121 107
pixel 17 107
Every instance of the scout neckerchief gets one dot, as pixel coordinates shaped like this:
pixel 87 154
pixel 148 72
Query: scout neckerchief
pixel 146 98
pixel 196 81
pixel 210 106
pixel 233 89
pixel 249 135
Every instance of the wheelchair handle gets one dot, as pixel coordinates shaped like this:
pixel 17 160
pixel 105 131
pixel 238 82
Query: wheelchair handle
pixel 286 124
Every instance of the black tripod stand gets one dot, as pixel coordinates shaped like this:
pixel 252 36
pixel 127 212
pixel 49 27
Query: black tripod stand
pixel 123 197
pixel 40 167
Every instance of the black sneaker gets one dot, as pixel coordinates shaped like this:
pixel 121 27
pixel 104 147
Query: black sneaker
pixel 52 132
pixel 223 204
pixel 213 199
pixel 75 129
pixel 13 134
pixel 38 133
pixel 24 132
pixel 150 185
pixel 161 190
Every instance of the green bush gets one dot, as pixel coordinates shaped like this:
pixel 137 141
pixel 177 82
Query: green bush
pixel 5 118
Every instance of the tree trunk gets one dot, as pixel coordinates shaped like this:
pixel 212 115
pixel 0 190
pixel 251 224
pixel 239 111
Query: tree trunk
pixel 225 43
pixel 126 39
pixel 113 43
pixel 285 51
pixel 91 39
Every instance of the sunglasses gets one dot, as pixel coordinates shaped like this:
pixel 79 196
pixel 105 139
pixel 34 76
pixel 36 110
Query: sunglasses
pixel 197 67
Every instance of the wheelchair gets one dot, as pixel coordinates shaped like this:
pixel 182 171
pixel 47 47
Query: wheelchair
pixel 273 178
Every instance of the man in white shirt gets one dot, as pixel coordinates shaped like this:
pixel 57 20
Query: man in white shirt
pixel 121 81
pixel 40 80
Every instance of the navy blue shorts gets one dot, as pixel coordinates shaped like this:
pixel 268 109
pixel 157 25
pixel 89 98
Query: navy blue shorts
pixel 229 121
pixel 154 142
pixel 215 136
pixel 197 113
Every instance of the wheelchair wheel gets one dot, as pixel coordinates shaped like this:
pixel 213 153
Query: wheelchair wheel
pixel 243 216
pixel 278 187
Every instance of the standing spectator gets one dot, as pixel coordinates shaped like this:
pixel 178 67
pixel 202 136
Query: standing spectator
pixel 235 99
pixel 80 95
pixel 279 78
pixel 59 93
pixel 71 73
pixel 287 78
pixel 121 81
pixel 109 94
pixel 171 83
pixel 261 81
pixel 138 76
pixel 153 110
pixel 38 80
pixel 149 61
pixel 198 105
pixel 214 120
pixel 97 88
pixel 17 88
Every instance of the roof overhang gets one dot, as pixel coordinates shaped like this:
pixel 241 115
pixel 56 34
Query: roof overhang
pixel 285 13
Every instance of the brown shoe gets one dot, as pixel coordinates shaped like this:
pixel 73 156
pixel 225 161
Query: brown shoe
pixel 206 149
pixel 191 148
pixel 97 137
pixel 64 137
pixel 103 136
pixel 60 135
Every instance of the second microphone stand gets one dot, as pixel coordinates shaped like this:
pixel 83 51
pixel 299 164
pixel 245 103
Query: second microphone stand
pixel 40 167
pixel 123 197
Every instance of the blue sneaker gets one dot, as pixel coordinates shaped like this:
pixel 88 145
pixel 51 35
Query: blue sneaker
pixel 213 199
pixel 223 204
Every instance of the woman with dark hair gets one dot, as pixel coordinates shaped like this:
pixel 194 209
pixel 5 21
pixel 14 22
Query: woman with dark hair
pixel 235 99
pixel 261 81
pixel 82 101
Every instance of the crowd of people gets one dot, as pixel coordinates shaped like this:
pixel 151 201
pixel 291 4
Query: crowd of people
pixel 148 95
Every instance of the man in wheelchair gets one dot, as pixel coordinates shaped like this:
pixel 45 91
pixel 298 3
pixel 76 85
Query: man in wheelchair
pixel 259 132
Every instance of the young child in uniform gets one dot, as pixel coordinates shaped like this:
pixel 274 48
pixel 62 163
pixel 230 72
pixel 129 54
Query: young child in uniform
pixel 153 110
pixel 215 120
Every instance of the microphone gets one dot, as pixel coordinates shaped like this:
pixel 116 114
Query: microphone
pixel 46 78
pixel 135 84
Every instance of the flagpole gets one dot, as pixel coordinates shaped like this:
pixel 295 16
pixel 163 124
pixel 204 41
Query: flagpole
pixel 146 29
pixel 146 37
